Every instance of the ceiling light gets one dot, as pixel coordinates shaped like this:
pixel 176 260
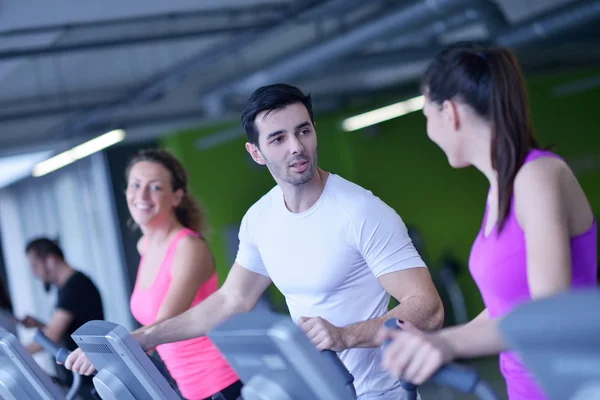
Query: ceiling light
pixel 383 114
pixel 15 168
pixel 78 152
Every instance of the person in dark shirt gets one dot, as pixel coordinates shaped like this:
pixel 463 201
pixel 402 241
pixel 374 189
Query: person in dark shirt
pixel 7 319
pixel 78 302
pixel 5 303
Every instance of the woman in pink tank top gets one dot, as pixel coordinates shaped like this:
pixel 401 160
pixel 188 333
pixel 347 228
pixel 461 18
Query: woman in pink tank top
pixel 176 272
pixel 538 236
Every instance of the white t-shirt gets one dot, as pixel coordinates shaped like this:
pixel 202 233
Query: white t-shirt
pixel 326 262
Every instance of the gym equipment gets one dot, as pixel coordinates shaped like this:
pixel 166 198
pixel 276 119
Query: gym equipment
pixel 276 361
pixel 411 389
pixel 459 377
pixel 60 355
pixel 124 371
pixel 20 376
pixel 558 339
pixel 447 273
pixel 8 322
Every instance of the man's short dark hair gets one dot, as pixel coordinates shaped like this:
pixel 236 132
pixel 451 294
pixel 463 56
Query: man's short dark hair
pixel 270 98
pixel 44 247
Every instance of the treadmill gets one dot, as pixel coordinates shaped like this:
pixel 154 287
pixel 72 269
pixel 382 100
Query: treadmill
pixel 124 370
pixel 21 378
pixel 558 339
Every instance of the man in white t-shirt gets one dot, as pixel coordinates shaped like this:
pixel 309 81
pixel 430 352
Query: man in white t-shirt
pixel 334 250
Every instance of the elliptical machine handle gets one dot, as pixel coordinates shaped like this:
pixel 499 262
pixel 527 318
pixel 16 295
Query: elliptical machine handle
pixel 459 377
pixel 60 354
pixel 456 376
pixel 409 387
pixel 348 377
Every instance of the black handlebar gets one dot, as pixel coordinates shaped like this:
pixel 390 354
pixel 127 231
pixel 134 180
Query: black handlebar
pixel 456 376
pixel 409 387
pixel 60 354
pixel 348 377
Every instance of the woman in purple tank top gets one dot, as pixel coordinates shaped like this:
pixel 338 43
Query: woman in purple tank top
pixel 538 235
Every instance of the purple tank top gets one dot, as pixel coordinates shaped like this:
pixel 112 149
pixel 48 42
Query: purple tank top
pixel 498 266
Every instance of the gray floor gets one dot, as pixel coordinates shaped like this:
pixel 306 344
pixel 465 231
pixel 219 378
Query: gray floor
pixel 488 371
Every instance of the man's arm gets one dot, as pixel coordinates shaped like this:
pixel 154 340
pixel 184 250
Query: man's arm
pixel 240 293
pixel 420 304
pixel 54 330
pixel 382 239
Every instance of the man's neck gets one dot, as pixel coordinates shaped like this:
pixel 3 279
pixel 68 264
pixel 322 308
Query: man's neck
pixel 301 198
pixel 63 274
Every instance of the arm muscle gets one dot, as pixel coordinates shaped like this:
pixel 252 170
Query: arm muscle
pixel 240 293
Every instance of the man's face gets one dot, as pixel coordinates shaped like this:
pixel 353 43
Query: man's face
pixel 40 268
pixel 287 144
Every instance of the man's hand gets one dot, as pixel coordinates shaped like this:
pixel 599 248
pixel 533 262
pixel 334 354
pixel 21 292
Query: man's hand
pixel 322 333
pixel 78 362
pixel 31 322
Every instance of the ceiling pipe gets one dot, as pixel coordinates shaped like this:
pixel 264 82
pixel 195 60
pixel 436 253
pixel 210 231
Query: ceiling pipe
pixel 536 30
pixel 171 77
pixel 557 21
pixel 270 9
pixel 553 23
pixel 528 32
pixel 485 12
pixel 131 40
pixel 405 18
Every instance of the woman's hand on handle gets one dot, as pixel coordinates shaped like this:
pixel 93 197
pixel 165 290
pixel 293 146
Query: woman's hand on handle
pixel 412 355
pixel 78 362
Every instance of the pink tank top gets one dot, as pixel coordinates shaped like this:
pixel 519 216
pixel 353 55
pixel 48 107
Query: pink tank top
pixel 498 266
pixel 196 365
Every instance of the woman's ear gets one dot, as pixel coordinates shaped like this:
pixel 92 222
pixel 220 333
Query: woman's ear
pixel 178 197
pixel 450 114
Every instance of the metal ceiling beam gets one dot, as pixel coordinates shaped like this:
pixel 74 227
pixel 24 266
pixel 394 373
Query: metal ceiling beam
pixel 267 8
pixel 485 12
pixel 174 76
pixel 46 112
pixel 326 52
pixel 132 40
pixel 540 30
pixel 556 21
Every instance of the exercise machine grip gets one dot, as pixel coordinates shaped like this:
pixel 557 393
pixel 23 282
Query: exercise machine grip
pixel 461 378
pixel 338 364
pixel 60 354
pixel 409 387
pixel 348 377
pixel 458 377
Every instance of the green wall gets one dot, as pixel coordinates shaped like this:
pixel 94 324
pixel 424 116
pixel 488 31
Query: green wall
pixel 397 162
